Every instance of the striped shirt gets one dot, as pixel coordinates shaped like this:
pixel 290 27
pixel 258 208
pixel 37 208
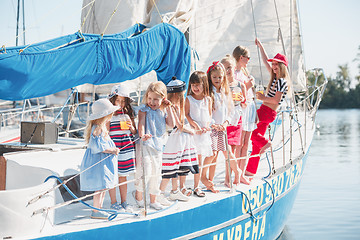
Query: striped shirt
pixel 281 86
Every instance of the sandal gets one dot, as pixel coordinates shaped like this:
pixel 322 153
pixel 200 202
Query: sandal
pixel 198 192
pixel 186 191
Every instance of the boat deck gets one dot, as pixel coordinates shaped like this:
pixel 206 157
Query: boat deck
pixel 64 158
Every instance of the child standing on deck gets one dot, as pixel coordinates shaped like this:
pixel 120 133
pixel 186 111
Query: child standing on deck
pixel 238 90
pixel 221 106
pixel 249 116
pixel 122 130
pixel 101 151
pixel 153 117
pixel 179 155
pixel 274 95
pixel 198 113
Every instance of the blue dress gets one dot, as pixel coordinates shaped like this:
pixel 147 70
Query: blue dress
pixel 104 174
pixel 155 125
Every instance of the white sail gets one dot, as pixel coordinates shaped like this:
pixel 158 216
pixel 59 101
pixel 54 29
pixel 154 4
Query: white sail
pixel 215 28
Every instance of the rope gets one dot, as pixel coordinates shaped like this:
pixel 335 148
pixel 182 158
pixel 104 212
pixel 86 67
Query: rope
pixel 162 20
pixel 83 23
pixel 41 20
pixel 280 33
pixel 257 47
pixel 267 210
pixel 113 214
pixel 66 181
pixel 102 34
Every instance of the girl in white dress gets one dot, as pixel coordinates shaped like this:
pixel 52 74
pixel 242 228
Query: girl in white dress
pixel 249 117
pixel 179 156
pixel 222 107
pixel 198 113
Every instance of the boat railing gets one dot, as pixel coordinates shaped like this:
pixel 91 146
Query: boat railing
pixel 62 115
pixel 305 104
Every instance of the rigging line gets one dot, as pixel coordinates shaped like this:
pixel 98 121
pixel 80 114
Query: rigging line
pixel 44 17
pixel 162 20
pixel 280 32
pixel 66 181
pixel 257 47
pixel 112 15
pixel 83 23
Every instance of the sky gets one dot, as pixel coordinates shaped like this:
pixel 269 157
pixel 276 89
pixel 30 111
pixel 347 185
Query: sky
pixel 330 28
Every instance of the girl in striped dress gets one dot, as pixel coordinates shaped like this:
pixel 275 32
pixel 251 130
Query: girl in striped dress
pixel 272 98
pixel 122 129
pixel 179 156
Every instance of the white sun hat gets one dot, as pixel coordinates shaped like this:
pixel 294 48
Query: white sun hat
pixel 122 91
pixel 102 108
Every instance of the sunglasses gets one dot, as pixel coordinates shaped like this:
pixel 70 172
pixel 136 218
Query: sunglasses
pixel 246 57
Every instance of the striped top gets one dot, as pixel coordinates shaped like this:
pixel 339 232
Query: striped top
pixel 281 86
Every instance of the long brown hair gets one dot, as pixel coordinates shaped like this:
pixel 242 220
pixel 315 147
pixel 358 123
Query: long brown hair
pixel 126 110
pixel 177 98
pixel 198 77
pixel 240 51
pixel 217 66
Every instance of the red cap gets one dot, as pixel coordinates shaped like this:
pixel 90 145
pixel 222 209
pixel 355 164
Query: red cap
pixel 279 58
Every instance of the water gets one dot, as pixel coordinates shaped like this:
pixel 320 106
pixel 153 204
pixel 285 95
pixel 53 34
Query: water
pixel 328 201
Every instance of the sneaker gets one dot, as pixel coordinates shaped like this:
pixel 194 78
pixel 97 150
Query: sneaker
pixel 162 200
pixel 140 203
pixel 127 207
pixel 156 206
pixel 178 195
pixel 99 215
pixel 116 206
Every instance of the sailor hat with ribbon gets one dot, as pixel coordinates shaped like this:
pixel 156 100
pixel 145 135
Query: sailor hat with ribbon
pixel 175 85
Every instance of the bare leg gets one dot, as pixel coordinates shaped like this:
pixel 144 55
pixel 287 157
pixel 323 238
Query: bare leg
pixel 152 198
pixel 213 167
pixel 245 137
pixel 96 200
pixel 112 193
pixel 266 146
pixel 227 180
pixel 197 176
pixel 163 184
pixel 138 195
pixel 204 178
pixel 123 189
pixel 174 182
pixel 233 166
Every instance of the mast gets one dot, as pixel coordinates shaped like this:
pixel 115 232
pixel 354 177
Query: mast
pixel 23 12
pixel 17 22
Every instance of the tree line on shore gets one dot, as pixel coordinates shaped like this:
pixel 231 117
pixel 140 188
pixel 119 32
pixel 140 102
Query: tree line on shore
pixel 339 93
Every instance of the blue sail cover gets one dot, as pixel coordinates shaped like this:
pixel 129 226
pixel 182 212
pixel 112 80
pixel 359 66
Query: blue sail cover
pixel 41 70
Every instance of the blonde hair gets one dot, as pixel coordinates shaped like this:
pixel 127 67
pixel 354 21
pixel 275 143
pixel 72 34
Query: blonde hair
pixel 240 51
pixel 282 74
pixel 224 85
pixel 228 59
pixel 156 87
pixel 198 77
pixel 98 122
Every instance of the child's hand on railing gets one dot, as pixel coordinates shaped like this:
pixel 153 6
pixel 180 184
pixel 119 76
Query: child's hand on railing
pixel 146 137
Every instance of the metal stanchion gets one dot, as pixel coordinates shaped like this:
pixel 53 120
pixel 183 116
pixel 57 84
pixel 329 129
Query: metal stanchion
pixel 271 150
pixel 228 161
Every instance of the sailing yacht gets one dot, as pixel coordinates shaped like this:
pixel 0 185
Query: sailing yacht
pixel 35 203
